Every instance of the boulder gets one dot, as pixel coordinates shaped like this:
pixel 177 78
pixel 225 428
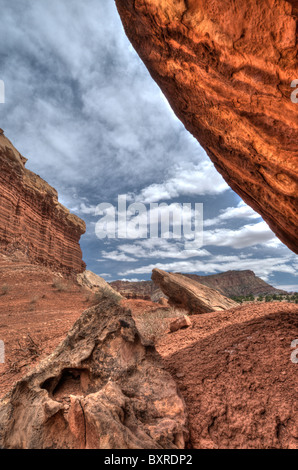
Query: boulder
pixel 102 388
pixel 190 295
pixel 163 301
pixel 183 322
pixel 94 283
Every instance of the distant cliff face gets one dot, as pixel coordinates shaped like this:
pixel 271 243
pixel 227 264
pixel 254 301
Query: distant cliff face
pixel 230 283
pixel 234 283
pixel 226 68
pixel 31 218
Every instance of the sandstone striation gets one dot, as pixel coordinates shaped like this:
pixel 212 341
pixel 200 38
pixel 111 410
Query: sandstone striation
pixel 31 218
pixel 226 69
pixel 190 295
pixel 102 388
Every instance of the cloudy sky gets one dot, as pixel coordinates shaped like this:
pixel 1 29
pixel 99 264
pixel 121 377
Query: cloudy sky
pixel 81 106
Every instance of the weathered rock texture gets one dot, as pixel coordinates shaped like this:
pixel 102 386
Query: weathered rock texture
pixel 226 69
pixel 145 290
pixel 189 294
pixel 233 283
pixel 102 388
pixel 95 283
pixel 31 218
pixel 183 322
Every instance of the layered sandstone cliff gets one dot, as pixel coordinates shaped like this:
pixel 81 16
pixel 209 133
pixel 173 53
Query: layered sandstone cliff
pixel 31 218
pixel 226 69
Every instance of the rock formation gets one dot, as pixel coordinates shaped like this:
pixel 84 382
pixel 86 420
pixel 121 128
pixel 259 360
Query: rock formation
pixel 226 69
pixel 182 322
pixel 31 218
pixel 233 283
pixel 102 388
pixel 229 283
pixel 94 283
pixel 190 295
pixel 145 290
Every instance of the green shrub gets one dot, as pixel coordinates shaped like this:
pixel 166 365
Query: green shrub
pixel 104 293
pixel 4 289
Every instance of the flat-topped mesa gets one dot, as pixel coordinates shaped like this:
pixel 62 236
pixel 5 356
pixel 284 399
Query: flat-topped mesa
pixel 31 218
pixel 235 283
pixel 190 295
pixel 226 69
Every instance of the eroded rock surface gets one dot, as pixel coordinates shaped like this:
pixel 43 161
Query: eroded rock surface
pixel 226 69
pixel 145 290
pixel 94 283
pixel 102 388
pixel 31 218
pixel 189 294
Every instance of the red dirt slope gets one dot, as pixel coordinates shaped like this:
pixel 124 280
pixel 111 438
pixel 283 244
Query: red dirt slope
pixel 37 308
pixel 235 374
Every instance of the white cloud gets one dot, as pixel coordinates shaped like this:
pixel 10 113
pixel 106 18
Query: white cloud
pixel 246 236
pixel 262 267
pixel 191 180
pixel 116 256
pixel 287 287
pixel 153 249
pixel 242 211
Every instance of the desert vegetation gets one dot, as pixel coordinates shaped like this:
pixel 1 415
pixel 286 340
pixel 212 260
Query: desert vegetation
pixel 4 289
pixel 153 324
pixel 267 298
pixel 104 293
pixel 60 285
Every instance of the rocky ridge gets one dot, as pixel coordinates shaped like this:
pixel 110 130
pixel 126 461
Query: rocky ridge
pixel 234 283
pixel 31 218
pixel 229 283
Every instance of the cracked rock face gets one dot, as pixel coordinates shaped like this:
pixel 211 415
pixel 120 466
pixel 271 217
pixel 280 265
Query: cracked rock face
pixel 102 388
pixel 226 69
